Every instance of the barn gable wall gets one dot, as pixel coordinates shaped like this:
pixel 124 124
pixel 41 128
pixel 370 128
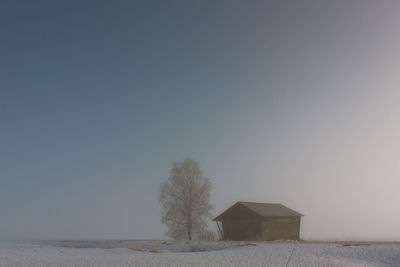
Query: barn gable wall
pixel 242 230
pixel 239 212
pixel 240 223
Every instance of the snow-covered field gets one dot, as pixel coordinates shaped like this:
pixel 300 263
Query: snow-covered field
pixel 170 253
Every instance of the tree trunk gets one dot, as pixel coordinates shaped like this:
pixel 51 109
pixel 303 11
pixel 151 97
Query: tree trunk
pixel 190 226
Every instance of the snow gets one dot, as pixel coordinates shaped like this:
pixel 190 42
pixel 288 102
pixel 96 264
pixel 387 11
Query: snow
pixel 117 253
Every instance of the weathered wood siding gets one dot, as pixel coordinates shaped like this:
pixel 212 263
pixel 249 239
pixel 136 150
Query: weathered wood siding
pixel 241 224
pixel 280 228
pixel 242 230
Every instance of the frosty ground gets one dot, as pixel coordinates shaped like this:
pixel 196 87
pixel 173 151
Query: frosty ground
pixel 172 253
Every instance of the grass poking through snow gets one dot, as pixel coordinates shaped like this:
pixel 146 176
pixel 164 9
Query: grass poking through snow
pixel 137 249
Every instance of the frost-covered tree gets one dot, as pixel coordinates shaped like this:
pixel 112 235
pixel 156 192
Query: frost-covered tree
pixel 185 200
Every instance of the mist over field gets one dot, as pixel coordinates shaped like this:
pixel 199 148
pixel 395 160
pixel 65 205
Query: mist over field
pixel 292 102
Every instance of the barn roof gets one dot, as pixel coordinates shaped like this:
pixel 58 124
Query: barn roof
pixel 264 210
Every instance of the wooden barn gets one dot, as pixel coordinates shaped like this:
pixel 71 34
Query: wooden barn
pixel 259 221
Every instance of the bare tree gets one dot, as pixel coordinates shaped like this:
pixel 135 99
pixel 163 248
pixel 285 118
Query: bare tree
pixel 185 200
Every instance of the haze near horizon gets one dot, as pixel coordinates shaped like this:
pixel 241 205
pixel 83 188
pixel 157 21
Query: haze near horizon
pixel 294 102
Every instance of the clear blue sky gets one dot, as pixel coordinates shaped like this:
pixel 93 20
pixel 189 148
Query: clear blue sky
pixel 280 101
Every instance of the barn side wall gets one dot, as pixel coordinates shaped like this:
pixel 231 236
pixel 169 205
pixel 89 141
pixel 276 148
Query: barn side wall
pixel 280 228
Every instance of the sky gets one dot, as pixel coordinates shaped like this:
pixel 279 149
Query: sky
pixel 292 102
